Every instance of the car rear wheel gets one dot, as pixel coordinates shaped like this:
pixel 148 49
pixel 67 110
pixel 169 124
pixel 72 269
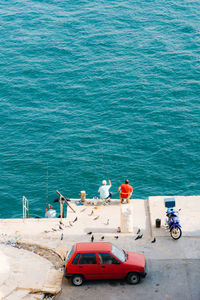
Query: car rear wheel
pixel 133 278
pixel 77 280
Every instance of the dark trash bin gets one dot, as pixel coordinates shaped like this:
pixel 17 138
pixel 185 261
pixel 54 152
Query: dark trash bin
pixel 158 223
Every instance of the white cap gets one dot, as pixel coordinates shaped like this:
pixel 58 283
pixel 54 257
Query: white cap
pixel 104 182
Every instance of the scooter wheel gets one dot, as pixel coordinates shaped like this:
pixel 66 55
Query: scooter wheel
pixel 176 233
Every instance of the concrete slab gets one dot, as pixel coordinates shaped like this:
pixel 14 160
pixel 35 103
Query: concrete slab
pixel 47 232
pixel 189 214
pixel 27 271
pixel 18 294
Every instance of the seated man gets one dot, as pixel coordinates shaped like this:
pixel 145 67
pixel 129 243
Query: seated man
pixel 51 213
pixel 125 191
pixel 105 195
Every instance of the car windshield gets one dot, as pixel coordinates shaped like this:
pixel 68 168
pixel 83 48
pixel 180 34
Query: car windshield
pixel 70 254
pixel 119 253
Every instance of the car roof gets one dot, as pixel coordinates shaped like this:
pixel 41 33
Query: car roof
pixel 90 247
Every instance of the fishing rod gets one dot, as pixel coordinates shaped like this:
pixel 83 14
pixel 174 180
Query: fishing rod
pixel 47 189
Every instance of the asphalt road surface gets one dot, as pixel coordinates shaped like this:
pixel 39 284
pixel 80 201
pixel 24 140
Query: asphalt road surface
pixel 166 279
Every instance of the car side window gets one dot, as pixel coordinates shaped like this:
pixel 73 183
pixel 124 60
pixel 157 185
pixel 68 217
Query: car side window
pixel 107 259
pixel 75 260
pixel 87 259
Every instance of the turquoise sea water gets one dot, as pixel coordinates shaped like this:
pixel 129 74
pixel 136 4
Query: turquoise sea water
pixel 82 78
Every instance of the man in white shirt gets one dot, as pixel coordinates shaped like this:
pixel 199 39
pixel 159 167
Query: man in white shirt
pixel 105 195
pixel 51 213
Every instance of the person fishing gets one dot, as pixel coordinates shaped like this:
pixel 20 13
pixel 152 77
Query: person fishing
pixel 105 195
pixel 125 191
pixel 51 213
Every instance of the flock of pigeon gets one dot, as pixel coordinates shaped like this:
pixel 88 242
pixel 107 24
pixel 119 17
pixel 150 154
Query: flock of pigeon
pixel 70 224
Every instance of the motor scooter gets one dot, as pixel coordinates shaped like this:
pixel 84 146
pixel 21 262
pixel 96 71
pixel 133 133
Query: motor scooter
pixel 173 224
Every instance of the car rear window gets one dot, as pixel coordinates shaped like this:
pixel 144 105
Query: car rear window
pixel 70 254
pixel 87 259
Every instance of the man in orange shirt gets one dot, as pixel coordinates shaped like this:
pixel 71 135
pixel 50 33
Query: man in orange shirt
pixel 125 191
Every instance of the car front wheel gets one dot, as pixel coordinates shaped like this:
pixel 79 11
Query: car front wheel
pixel 77 280
pixel 133 278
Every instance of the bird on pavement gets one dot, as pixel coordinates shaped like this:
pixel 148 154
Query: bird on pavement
pixel 61 237
pixel 60 227
pixel 139 236
pixel 116 237
pixel 91 213
pixel 82 210
pixel 138 231
pixel 102 238
pixel 154 240
pixel 75 220
pixel 89 232
pixel 96 218
pixel 92 238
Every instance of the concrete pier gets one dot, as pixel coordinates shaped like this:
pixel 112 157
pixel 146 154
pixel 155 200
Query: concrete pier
pixel 32 251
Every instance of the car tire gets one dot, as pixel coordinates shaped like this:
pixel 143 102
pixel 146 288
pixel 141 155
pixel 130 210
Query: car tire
pixel 77 280
pixel 133 278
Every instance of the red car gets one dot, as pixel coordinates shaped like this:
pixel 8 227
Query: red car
pixel 103 261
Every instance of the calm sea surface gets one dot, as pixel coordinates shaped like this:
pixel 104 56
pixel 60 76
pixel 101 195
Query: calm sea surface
pixel 82 78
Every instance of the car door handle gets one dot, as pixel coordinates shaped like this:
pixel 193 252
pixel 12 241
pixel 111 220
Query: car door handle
pixel 103 266
pixel 80 266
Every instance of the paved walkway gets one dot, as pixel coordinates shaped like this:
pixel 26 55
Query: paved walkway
pixel 166 280
pixel 39 273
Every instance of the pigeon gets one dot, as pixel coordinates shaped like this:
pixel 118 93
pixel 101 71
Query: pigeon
pixel 138 231
pixel 116 237
pixel 107 223
pixel 61 223
pixel 60 227
pixel 46 231
pixel 61 237
pixel 139 236
pixel 56 200
pixel 96 218
pixel 91 213
pixel 53 229
pixel 92 238
pixel 154 240
pixel 70 224
pixel 89 232
pixel 82 210
pixel 75 220
pixel 102 238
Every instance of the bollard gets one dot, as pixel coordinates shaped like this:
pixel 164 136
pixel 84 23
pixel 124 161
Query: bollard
pixel 126 218
pixel 83 196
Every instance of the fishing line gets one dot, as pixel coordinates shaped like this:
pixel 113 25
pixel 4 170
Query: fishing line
pixel 47 188
pixel 104 165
